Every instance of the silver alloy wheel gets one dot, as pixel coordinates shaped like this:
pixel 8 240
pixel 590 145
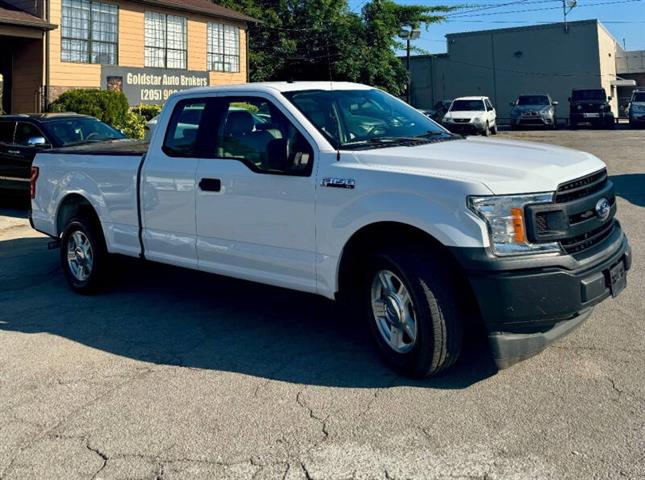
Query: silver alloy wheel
pixel 80 257
pixel 393 311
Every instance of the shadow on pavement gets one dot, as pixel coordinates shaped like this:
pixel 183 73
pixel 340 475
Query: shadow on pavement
pixel 166 315
pixel 631 187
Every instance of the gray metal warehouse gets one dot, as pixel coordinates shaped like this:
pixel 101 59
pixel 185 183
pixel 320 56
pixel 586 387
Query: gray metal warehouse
pixel 504 63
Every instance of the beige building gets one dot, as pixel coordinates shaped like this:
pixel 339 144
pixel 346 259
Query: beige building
pixel 145 48
pixel 505 63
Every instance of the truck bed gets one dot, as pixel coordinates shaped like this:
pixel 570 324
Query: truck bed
pixel 103 173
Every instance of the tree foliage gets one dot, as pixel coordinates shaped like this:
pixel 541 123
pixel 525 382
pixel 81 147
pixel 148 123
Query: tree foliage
pixel 324 40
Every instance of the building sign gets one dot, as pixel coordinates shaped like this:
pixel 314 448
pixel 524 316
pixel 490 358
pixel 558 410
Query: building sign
pixel 150 85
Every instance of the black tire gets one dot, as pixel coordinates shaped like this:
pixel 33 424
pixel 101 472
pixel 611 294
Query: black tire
pixel 438 322
pixel 494 130
pixel 98 274
pixel 486 131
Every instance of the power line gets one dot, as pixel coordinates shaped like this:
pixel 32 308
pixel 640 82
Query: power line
pixel 466 15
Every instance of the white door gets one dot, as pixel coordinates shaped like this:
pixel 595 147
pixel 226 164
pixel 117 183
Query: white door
pixel 168 189
pixel 255 196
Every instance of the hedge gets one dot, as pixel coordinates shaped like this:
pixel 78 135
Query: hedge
pixel 109 107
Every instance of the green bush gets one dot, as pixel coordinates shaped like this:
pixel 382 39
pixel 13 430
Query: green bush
pixel 134 125
pixel 147 111
pixel 109 107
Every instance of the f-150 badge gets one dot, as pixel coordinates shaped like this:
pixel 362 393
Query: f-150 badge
pixel 338 182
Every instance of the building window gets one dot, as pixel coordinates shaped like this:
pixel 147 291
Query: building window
pixel 223 47
pixel 165 41
pixel 89 32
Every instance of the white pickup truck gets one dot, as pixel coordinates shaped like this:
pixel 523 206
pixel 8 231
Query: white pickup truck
pixel 343 190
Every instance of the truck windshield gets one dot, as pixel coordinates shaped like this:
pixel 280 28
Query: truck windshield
pixel 583 95
pixel 533 100
pixel 365 118
pixel 467 106
pixel 75 131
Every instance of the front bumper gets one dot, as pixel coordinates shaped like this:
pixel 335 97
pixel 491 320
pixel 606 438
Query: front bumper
pixel 527 303
pixel 532 121
pixel 464 128
pixel 594 118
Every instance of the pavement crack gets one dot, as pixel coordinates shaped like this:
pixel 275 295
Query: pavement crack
pixel 305 471
pixel 312 415
pixel 100 454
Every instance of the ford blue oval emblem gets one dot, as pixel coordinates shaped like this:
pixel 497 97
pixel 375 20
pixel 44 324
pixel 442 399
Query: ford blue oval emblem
pixel 603 208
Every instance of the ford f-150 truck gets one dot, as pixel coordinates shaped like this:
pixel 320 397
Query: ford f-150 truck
pixel 344 191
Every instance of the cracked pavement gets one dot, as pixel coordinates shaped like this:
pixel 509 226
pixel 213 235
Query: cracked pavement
pixel 174 374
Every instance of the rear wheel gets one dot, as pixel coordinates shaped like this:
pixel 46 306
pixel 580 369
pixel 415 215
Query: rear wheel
pixel 412 312
pixel 84 256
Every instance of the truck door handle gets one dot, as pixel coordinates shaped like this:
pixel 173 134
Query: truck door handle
pixel 210 184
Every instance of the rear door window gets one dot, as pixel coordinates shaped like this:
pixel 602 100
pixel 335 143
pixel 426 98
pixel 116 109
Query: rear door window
pixel 182 134
pixel 6 131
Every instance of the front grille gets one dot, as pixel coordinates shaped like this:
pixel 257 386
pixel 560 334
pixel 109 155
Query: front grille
pixel 589 239
pixel 461 120
pixel 581 187
pixel 572 219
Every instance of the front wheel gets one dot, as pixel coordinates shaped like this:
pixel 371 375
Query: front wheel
pixel 83 256
pixel 412 312
pixel 486 131
pixel 494 130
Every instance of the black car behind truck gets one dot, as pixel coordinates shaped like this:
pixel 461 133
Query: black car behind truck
pixel 23 136
pixel 590 106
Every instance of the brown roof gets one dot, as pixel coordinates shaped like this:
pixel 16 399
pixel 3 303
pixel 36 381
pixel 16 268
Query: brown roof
pixel 14 16
pixel 205 7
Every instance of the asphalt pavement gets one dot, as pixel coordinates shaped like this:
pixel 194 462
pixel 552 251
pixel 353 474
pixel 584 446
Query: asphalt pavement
pixel 177 374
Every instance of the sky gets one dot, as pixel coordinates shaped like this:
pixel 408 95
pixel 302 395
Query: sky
pixel 625 19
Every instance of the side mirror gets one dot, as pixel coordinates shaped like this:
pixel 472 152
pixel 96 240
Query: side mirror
pixel 512 104
pixel 555 103
pixel 36 142
pixel 609 98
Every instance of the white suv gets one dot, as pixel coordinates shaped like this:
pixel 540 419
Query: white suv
pixel 470 115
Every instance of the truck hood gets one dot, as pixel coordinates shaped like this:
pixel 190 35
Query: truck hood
pixel 503 166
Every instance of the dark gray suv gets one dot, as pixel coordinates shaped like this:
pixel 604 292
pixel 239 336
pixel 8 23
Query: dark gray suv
pixel 537 110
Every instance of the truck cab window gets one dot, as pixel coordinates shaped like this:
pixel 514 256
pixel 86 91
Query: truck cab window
pixel 181 136
pixel 255 131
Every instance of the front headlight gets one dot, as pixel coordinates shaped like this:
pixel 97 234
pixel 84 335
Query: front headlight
pixel 504 216
pixel 546 112
pixel 478 120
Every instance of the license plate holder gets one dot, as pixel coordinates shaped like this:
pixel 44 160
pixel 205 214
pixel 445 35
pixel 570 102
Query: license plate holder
pixel 617 278
pixel 591 115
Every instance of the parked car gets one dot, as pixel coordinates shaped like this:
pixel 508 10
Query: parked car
pixel 471 115
pixel 351 195
pixel 536 110
pixel 439 110
pixel 636 109
pixel 23 136
pixel 590 106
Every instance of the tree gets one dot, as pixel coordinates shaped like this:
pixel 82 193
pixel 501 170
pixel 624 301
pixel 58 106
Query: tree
pixel 323 39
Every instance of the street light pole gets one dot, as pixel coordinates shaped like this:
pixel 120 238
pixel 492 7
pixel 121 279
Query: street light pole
pixel 408 36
